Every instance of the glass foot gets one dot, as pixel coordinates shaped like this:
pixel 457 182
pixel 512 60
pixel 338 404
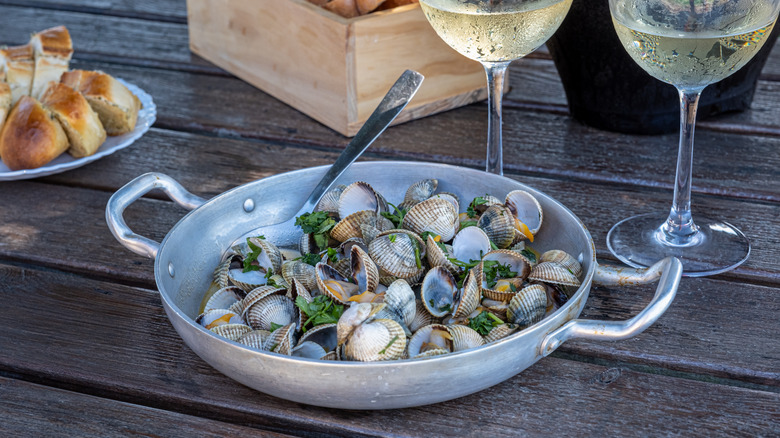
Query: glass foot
pixel 717 247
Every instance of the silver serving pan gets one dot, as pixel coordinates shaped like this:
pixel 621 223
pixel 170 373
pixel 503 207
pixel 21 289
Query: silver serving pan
pixel 186 258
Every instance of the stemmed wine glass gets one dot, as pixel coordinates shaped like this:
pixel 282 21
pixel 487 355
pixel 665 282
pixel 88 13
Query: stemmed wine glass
pixel 689 44
pixel 495 32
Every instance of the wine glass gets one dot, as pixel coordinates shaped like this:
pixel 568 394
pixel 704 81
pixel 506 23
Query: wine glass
pixel 495 32
pixel 689 44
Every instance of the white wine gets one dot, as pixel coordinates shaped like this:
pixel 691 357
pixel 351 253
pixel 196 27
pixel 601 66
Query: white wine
pixel 692 60
pixel 489 32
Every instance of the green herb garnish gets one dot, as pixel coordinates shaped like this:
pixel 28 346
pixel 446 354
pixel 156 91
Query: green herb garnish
pixel 466 224
pixel 392 341
pixel 484 322
pixel 252 256
pixel 310 258
pixel 333 254
pixel 318 224
pixel 494 271
pixel 471 210
pixel 445 308
pixel 322 310
pixel 493 245
pixel 275 326
pixel 268 274
pixel 529 254
pixel 392 238
pixel 396 218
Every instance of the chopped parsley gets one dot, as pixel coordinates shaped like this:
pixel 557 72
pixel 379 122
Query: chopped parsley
pixel 436 240
pixel 392 238
pixel 321 310
pixel 396 218
pixel 392 341
pixel 310 258
pixel 252 256
pixel 271 281
pixel 471 210
pixel 529 254
pixel 333 254
pixel 494 271
pixel 445 308
pixel 466 224
pixel 275 326
pixel 318 224
pixel 484 322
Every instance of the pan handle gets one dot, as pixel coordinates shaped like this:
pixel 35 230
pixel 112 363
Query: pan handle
pixel 130 193
pixel 669 270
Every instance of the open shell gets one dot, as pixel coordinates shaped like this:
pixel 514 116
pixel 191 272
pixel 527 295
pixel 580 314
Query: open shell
pixel 435 215
pixel 438 292
pixel 526 209
pixel 331 283
pixel 360 196
pixel 418 192
pixel 551 272
pixel 381 339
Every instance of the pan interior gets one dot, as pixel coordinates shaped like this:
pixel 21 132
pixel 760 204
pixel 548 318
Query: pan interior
pixel 193 248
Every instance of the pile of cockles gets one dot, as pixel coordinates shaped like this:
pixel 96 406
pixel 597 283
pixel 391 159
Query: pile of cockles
pixel 374 281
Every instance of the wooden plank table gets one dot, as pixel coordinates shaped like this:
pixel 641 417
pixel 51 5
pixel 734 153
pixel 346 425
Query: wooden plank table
pixel 88 351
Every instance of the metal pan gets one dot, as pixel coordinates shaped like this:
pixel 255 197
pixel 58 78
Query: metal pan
pixel 186 258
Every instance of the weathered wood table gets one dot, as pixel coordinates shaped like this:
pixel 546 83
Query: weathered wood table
pixel 87 350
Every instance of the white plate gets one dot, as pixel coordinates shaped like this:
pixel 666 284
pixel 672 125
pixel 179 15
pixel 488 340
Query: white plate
pixel 146 118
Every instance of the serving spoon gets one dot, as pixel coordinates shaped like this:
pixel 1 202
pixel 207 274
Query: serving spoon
pixel 285 234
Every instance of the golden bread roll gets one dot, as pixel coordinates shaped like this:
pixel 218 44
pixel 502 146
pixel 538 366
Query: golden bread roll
pixel 115 105
pixel 366 6
pixel 19 67
pixel 80 122
pixel 345 8
pixel 5 102
pixel 53 49
pixel 31 136
pixel 390 4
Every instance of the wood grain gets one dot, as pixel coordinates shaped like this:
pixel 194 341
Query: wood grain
pixel 158 10
pixel 534 143
pixel 54 412
pixel 78 348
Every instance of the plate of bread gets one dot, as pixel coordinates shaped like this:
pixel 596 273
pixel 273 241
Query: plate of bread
pixel 53 119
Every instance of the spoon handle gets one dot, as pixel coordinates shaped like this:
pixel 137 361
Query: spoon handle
pixel 391 105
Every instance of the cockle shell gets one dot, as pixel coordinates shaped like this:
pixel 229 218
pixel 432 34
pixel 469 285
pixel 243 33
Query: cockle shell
pixel 438 292
pixel 273 309
pixel 399 299
pixel 500 332
pixel 308 350
pixel 364 270
pixel 360 196
pixel 354 316
pixel 471 243
pixel 502 290
pixel 326 335
pixel 434 339
pixel 224 298
pixel 216 317
pixel 330 200
pixel 564 259
pixel 418 192
pixel 350 226
pixel 499 225
pixel 434 215
pixel 551 272
pixel 254 339
pixel 303 272
pixel 232 331
pixel 528 306
pixel 464 337
pixel 421 317
pixel 380 339
pixel 221 273
pixel 439 257
pixel 526 209
pixel 331 283
pixel 399 253
pixel 281 340
pixel 467 299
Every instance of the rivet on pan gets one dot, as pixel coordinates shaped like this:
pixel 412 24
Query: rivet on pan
pixel 170 269
pixel 249 205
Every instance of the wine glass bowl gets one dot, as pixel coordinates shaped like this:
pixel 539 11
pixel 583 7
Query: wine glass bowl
pixel 689 44
pixel 495 32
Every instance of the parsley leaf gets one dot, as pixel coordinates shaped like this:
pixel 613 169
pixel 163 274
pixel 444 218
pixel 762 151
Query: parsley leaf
pixel 318 224
pixel 392 341
pixel 471 210
pixel 494 271
pixel 396 218
pixel 310 258
pixel 275 326
pixel 321 310
pixel 252 256
pixel 466 224
pixel 392 237
pixel 529 254
pixel 484 322
pixel 333 254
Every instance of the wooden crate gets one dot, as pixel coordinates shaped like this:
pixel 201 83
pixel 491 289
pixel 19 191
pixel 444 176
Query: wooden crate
pixel 335 70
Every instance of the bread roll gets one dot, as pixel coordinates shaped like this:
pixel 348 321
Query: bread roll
pixel 19 67
pixel 5 102
pixel 31 136
pixel 80 122
pixel 345 8
pixel 116 106
pixel 53 49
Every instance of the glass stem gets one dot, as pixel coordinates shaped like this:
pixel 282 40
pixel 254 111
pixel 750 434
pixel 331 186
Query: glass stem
pixel 679 229
pixel 496 71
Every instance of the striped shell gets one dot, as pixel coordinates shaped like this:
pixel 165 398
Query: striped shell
pixel 331 283
pixel 326 335
pixel 301 271
pixel 421 317
pixel 434 337
pixel 224 298
pixel 397 253
pixel 564 259
pixel 364 270
pixel 232 331
pixel 500 332
pixel 551 272
pixel 353 317
pixel 399 299
pixel 468 297
pixel 380 339
pixel 273 309
pixel 438 292
pixel 330 200
pixel 360 196
pixel 254 339
pixel 216 317
pixel 499 225
pixel 528 306
pixel 437 216
pixel 464 337
pixel 281 340
pixel 350 226
pixel 418 192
